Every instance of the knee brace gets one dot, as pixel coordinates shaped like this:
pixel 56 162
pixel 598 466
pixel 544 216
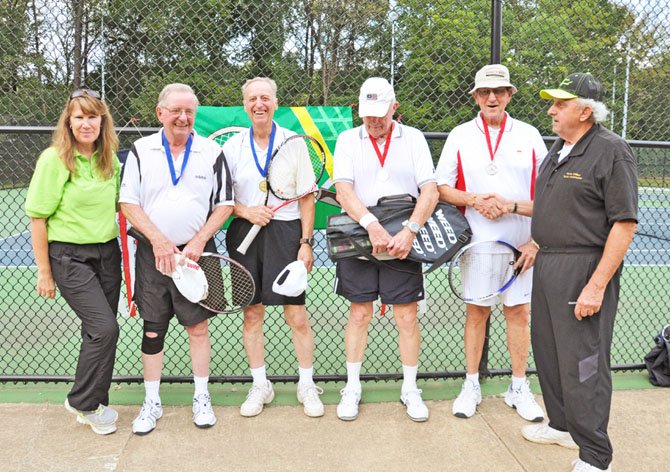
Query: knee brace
pixel 154 345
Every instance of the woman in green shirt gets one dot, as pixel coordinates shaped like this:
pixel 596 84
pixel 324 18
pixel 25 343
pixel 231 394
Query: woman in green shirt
pixel 72 202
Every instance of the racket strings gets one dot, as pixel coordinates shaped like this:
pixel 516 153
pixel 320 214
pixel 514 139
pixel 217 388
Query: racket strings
pixel 231 287
pixel 296 167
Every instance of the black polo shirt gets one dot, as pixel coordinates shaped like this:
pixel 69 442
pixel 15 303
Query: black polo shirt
pixel 579 199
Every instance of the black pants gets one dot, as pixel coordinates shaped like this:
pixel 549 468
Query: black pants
pixel 573 357
pixel 89 279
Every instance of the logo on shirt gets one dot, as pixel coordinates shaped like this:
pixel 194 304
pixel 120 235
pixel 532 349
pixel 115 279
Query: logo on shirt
pixel 201 177
pixel 572 175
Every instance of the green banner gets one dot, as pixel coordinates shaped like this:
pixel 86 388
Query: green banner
pixel 323 123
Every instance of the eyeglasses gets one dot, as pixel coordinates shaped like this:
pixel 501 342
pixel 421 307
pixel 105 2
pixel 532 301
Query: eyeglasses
pixel 498 92
pixel 178 111
pixel 84 91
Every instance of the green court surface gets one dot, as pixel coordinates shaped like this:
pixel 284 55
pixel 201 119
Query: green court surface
pixel 226 394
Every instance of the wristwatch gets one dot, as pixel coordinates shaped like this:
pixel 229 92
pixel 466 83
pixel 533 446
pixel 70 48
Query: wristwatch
pixel 412 226
pixel 309 241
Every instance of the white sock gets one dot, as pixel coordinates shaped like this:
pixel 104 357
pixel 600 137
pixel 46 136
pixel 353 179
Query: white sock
pixel 473 378
pixel 518 382
pixel 354 376
pixel 409 378
pixel 306 375
pixel 200 385
pixel 260 379
pixel 151 390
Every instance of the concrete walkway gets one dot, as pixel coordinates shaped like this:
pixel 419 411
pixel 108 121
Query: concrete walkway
pixel 44 437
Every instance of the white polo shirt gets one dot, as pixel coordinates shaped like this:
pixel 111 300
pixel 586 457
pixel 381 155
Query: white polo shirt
pixel 246 177
pixel 408 165
pixel 179 211
pixel 463 165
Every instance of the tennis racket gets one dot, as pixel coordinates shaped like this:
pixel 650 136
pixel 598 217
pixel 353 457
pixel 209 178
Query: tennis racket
pixel 230 286
pixel 220 136
pixel 486 267
pixel 294 171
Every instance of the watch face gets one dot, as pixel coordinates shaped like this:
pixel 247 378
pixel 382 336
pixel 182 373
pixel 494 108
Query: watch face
pixel 413 227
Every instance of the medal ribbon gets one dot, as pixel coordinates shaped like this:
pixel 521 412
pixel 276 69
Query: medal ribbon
pixel 168 154
pixel 380 156
pixel 263 170
pixel 492 151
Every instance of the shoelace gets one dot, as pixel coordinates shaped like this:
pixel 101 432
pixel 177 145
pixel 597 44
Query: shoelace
pixel 312 393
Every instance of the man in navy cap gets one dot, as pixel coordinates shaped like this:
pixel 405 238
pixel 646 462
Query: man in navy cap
pixel 584 219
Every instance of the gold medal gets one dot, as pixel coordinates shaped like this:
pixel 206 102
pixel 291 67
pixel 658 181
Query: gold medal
pixel 263 186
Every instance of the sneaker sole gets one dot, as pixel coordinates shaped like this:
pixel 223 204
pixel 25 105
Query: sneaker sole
pixel 573 446
pixel 347 418
pixel 314 414
pixel 204 426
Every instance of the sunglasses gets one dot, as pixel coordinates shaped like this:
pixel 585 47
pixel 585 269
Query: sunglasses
pixel 485 92
pixel 84 91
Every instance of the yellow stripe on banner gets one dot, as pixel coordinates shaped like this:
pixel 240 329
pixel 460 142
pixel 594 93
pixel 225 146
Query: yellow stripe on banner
pixel 311 129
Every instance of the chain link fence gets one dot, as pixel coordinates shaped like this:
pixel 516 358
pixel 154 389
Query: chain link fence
pixel 319 52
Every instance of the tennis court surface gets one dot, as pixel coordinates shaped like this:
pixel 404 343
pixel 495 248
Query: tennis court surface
pixel 42 436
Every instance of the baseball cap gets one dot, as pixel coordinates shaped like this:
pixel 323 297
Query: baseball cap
pixel 375 98
pixel 579 84
pixel 493 76
pixel 292 280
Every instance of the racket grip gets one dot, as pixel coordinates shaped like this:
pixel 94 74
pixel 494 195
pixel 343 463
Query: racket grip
pixel 249 238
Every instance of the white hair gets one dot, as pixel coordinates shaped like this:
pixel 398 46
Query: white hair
pixel 266 80
pixel 599 110
pixel 176 87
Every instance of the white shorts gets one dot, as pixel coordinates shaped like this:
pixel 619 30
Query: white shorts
pixel 517 294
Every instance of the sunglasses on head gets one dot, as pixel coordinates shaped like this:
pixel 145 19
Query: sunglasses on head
pixel 84 91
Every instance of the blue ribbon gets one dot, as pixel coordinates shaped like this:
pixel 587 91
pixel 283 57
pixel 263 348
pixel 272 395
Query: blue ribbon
pixel 263 170
pixel 187 153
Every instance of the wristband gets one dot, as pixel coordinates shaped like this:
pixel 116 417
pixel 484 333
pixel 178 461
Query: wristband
pixel 534 243
pixel 367 219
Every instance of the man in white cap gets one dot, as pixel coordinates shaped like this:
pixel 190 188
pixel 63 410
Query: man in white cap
pixel 488 167
pixel 381 158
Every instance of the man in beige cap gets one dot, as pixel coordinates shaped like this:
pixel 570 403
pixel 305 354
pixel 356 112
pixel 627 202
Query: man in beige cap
pixel 381 158
pixel 488 167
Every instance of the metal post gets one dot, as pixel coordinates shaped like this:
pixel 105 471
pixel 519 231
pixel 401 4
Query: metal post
pixel 496 54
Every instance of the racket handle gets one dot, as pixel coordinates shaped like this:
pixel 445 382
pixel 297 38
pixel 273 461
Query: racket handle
pixel 249 238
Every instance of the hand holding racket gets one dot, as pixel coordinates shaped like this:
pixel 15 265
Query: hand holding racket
pixel 483 270
pixel 228 287
pixel 294 171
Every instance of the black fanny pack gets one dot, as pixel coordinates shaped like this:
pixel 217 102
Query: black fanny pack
pixel 443 234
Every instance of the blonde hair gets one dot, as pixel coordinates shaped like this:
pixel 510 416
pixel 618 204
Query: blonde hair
pixel 106 144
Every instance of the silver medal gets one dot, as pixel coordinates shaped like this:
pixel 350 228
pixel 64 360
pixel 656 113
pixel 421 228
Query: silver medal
pixel 382 175
pixel 491 169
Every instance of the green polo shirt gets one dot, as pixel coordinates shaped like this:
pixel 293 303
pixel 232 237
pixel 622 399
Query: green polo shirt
pixel 79 208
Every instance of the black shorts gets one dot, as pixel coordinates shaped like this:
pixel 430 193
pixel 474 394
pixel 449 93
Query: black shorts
pixel 361 281
pixel 157 296
pixel 275 247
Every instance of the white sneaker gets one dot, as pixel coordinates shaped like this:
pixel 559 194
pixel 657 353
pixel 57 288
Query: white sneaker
pixel 545 434
pixel 416 408
pixel 203 414
pixel 150 413
pixel 466 403
pixel 308 395
pixel 347 409
pixel 256 399
pixel 581 466
pixel 101 420
pixel 523 401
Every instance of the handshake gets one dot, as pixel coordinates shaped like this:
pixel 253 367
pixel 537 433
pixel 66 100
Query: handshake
pixel 492 205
